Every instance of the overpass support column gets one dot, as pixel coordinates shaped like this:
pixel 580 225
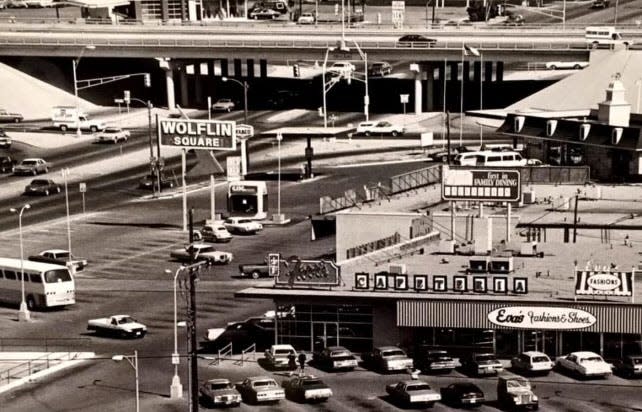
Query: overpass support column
pixel 198 82
pixel 500 72
pixel 418 90
pixel 430 88
pixel 184 86
pixel 169 86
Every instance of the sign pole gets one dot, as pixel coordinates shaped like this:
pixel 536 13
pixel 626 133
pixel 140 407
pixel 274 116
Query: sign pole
pixel 452 220
pixel 183 171
pixel 633 284
pixel 212 198
pixel 575 287
pixel 508 210
pixel 83 203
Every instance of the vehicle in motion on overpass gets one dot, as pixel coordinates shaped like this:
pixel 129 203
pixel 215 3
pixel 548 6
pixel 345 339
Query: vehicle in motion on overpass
pixel 566 65
pixel 264 14
pixel 597 36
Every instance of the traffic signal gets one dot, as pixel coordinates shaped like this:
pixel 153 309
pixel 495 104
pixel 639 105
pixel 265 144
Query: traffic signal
pixel 148 80
pixel 297 71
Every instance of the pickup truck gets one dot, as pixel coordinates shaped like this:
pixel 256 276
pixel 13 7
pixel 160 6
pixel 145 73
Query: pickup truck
pixel 123 326
pixel 60 257
pixel 254 271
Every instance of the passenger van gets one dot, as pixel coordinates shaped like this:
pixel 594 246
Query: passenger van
pixel 490 158
pixel 605 35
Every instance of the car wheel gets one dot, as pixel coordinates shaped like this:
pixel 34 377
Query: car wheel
pixel 47 192
pixel 444 159
pixel 229 109
pixel 93 129
pixel 367 133
pixel 16 120
pixel 577 67
pixel 57 190
pixel 63 128
pixel 255 274
pixel 46 170
pixel 595 45
pixel 31 302
pixel 34 172
pixel 553 67
pixel 395 133
pixel 255 17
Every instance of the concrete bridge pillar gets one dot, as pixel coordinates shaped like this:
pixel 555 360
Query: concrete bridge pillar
pixel 184 86
pixel 430 88
pixel 169 86
pixel 418 90
pixel 199 81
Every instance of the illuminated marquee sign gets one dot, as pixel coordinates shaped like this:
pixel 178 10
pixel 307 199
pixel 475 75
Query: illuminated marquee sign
pixel 198 134
pixel 298 272
pixel 536 317
pixel 489 185
pixel 386 281
pixel 589 282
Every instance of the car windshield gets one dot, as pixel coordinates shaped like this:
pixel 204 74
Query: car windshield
pixel 244 221
pixel 57 275
pixel 485 358
pixel 39 183
pixel 112 130
pixel 310 382
pixel 393 352
pixel 224 101
pixel 283 351
pixel 591 359
pixel 29 163
pixel 203 248
pixel 418 387
pixel 264 384
pixel 125 319
pixel 540 359
pixel 219 386
pixel 340 353
pixel 517 383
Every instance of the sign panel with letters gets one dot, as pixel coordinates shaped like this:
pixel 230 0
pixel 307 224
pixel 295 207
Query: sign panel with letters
pixel 540 317
pixel 298 272
pixel 198 134
pixel 588 282
pixel 487 185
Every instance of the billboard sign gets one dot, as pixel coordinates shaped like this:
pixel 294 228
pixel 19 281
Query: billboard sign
pixel 244 131
pixel 479 184
pixel 541 318
pixel 298 272
pixel 589 282
pixel 198 134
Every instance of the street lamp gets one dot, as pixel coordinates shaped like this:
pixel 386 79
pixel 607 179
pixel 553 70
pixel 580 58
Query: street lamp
pixel 279 217
pixel 23 312
pixel 154 163
pixel 245 86
pixel 75 64
pixel 133 361
pixel 65 173
pixel 175 389
pixel 465 50
pixel 366 97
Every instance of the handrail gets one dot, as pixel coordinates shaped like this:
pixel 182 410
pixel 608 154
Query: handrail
pixel 250 349
pixel 225 351
pixel 13 372
pixel 44 343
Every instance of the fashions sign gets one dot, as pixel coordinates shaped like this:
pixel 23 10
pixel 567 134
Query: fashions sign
pixel 539 317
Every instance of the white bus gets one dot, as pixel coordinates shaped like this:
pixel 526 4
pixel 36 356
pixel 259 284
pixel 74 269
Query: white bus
pixel 46 285
pixel 605 35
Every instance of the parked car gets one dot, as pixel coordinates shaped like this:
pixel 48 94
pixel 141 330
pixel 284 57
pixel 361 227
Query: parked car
pixel 150 181
pixel 514 20
pixel 532 362
pixel 6 116
pixel 60 257
pixel 342 68
pixel 429 360
pixel 6 164
pixel 42 187
pixel 442 156
pixel 306 389
pixel 629 366
pixel 214 233
pixel 379 128
pixel 5 141
pixel 379 69
pixel 462 394
pixel 387 359
pixel 219 393
pixel 31 166
pixel 514 392
pixel 242 225
pixel 223 105
pixel 277 356
pixel 257 330
pixel 113 135
pixel 335 358
pixel 122 326
pixel 415 40
pixel 413 393
pixel 254 271
pixel 201 252
pixel 481 364
pixel 260 389
pixel 306 18
pixel 584 364
pixel 264 14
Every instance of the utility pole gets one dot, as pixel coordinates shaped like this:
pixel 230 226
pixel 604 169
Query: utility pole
pixel 448 133
pixel 577 199
pixel 191 334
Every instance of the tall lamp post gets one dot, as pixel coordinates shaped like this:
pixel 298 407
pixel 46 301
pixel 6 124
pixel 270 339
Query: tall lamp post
pixel 465 51
pixel 245 86
pixel 23 312
pixel 154 163
pixel 65 174
pixel 75 63
pixel 176 389
pixel 133 361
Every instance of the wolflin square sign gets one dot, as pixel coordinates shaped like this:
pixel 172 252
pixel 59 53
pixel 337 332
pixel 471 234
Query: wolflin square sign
pixel 198 134
pixel 480 184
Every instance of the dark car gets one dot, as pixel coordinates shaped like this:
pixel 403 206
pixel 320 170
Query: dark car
pixel 6 164
pixel 415 40
pixel 442 156
pixel 629 366
pixel 6 116
pixel 5 141
pixel 600 4
pixel 335 358
pixel 429 360
pixel 307 389
pixel 379 69
pixel 255 330
pixel 514 20
pixel 462 394
pixel 150 181
pixel 42 187
pixel 264 14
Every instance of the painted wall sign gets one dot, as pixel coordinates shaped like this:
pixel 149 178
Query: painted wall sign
pixel 539 317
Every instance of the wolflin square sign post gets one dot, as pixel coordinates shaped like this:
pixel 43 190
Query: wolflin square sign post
pixel 482 185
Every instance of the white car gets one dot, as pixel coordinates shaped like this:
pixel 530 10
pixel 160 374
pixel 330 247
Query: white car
pixel 242 225
pixel 113 135
pixel 379 128
pixel 223 105
pixel 566 65
pixel 278 356
pixel 214 233
pixel 532 362
pixel 585 364
pixel 306 18
pixel 202 252
pixel 342 68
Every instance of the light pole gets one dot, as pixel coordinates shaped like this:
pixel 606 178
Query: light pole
pixel 75 63
pixel 65 174
pixel 464 52
pixel 175 389
pixel 154 163
pixel 133 361
pixel 279 137
pixel 366 98
pixel 245 86
pixel 638 83
pixel 23 312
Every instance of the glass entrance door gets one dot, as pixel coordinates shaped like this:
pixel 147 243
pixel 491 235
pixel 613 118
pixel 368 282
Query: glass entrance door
pixel 324 334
